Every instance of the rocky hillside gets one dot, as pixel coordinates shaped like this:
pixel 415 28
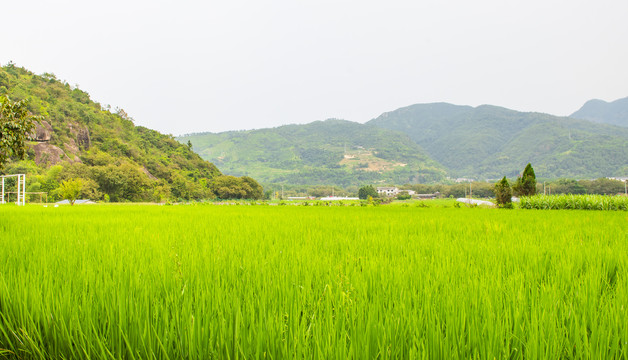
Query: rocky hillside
pixel 80 138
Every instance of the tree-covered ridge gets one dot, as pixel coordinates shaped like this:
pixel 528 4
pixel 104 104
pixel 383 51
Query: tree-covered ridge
pixel 322 152
pixel 79 137
pixel 614 113
pixel 489 142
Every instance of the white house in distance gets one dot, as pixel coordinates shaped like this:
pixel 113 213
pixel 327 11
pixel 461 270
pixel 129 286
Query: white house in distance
pixel 392 191
pixel 387 191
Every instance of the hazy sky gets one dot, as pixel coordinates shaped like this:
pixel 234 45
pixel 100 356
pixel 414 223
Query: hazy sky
pixel 189 66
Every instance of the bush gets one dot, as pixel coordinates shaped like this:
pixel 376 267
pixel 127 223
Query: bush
pixel 404 196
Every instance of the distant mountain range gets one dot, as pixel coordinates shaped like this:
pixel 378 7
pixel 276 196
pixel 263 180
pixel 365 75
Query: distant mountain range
pixel 416 144
pixel 614 113
pixel 490 142
pixel 420 143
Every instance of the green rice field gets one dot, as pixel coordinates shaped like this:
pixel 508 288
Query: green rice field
pixel 287 282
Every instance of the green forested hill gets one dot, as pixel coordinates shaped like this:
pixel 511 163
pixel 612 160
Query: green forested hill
pixel 614 113
pixel 490 142
pixel 432 140
pixel 323 152
pixel 79 138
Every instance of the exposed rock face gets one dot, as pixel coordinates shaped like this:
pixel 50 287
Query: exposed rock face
pixel 145 171
pixel 48 154
pixel 43 132
pixel 72 150
pixel 83 139
pixel 82 135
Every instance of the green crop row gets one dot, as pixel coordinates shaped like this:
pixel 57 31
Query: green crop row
pixel 287 282
pixel 574 202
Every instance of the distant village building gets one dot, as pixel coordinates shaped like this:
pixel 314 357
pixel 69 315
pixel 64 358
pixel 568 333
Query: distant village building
pixel 387 191
pixel 464 180
pixel 435 195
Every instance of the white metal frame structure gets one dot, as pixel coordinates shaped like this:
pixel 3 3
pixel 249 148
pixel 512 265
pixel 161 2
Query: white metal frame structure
pixel 21 189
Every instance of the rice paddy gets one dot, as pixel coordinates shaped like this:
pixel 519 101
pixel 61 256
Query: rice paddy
pixel 254 282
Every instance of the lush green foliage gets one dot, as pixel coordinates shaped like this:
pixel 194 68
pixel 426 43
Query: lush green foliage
pixel 488 142
pixel 526 182
pixel 311 282
pixel 120 160
pixel 365 191
pixel 331 152
pixel 575 202
pixel 404 195
pixel 503 193
pixel 71 189
pixel 231 187
pixel 15 126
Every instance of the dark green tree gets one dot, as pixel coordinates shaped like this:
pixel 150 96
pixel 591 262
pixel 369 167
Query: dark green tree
pixel 15 126
pixel 365 191
pixel 503 193
pixel 256 192
pixel 231 187
pixel 526 182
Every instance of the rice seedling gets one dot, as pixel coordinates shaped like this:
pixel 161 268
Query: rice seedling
pixel 230 282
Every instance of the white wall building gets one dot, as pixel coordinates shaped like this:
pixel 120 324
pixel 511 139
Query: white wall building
pixel 387 191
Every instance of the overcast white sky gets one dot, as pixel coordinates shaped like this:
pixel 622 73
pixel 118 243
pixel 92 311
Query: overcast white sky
pixel 190 66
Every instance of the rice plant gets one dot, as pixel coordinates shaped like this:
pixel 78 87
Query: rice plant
pixel 232 282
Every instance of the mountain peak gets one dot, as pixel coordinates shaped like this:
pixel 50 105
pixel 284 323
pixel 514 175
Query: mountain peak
pixel 600 111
